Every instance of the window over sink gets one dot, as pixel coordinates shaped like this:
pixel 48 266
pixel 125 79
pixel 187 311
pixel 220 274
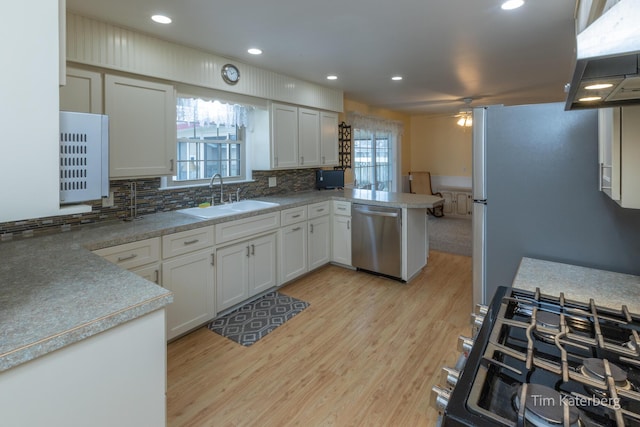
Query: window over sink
pixel 210 140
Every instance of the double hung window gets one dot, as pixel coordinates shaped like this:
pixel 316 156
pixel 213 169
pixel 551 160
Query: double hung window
pixel 375 152
pixel 211 139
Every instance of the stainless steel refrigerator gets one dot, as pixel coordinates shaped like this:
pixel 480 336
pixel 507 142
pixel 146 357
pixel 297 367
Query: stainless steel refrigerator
pixel 535 191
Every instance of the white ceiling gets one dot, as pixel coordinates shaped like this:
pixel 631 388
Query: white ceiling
pixel 446 50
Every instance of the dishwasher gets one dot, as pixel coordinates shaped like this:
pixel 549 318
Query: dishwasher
pixel 376 239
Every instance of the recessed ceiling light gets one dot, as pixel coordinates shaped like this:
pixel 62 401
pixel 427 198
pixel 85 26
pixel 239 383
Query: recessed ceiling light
pixel 590 98
pixel 512 4
pixel 598 86
pixel 332 77
pixel 161 19
pixel 396 78
pixel 255 51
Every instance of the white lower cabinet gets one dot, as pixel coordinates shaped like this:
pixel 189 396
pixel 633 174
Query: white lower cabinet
pixel 245 269
pixel 293 252
pixel 150 272
pixel 114 378
pixel 341 233
pixel 457 202
pixel 319 243
pixel 191 279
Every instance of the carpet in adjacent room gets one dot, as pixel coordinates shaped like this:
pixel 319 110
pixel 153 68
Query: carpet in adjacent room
pixel 450 234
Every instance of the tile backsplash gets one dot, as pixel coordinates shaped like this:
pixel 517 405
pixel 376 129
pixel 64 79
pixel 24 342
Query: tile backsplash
pixel 151 200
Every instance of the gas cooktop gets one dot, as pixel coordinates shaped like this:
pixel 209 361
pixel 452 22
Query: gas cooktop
pixel 541 360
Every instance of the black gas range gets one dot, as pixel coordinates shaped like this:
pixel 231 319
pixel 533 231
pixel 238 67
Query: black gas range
pixel 571 363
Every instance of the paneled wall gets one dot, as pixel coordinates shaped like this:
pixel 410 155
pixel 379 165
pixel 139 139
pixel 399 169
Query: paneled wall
pixel 105 45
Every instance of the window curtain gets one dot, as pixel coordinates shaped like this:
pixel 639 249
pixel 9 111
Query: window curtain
pixel 207 112
pixel 372 123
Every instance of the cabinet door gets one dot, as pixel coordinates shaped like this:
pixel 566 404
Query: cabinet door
pixel 328 138
pixel 262 264
pixel 142 127
pixel 319 242
pixel 448 202
pixel 150 272
pixel 605 145
pixel 232 275
pixel 462 204
pixel 191 279
pixel 341 246
pixel 284 137
pixel 309 137
pixel 293 252
pixel 82 92
pixel 630 157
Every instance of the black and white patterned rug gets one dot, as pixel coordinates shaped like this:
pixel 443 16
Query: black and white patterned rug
pixel 254 320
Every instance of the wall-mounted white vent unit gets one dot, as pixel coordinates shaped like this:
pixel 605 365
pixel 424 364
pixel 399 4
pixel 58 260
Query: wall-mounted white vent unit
pixel 84 157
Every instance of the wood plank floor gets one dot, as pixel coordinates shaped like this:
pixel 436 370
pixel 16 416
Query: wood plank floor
pixel 365 353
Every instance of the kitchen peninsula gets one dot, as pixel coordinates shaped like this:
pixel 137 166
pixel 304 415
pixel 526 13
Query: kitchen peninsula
pixel 69 311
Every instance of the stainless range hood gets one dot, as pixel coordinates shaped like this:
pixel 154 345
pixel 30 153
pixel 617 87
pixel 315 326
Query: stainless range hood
pixel 607 50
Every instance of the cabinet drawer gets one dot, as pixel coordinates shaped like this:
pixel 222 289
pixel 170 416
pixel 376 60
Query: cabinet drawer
pixel 186 241
pixel 134 254
pixel 341 208
pixel 240 228
pixel 293 215
pixel 318 209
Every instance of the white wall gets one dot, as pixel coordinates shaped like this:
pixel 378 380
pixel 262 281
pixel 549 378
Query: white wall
pixel 29 110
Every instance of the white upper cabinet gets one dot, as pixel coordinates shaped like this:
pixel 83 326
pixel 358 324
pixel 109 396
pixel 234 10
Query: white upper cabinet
pixel 284 136
pixel 300 137
pixel 619 132
pixel 30 171
pixel 328 138
pixel 82 92
pixel 142 127
pixel 309 137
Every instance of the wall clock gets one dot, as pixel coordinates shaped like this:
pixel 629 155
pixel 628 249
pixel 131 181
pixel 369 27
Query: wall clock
pixel 230 74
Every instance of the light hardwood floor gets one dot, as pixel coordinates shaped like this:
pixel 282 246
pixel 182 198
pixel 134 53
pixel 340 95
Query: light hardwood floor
pixel 365 353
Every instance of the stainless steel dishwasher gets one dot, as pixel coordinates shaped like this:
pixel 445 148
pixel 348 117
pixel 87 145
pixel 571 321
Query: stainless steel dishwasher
pixel 376 239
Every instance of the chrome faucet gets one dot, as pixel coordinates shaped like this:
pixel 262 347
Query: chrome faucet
pixel 213 202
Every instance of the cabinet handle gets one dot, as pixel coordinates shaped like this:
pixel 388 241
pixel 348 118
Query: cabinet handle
pixel 302 160
pixel 191 242
pixel 253 249
pixel 320 210
pixel 296 216
pixel 157 281
pixel 342 209
pixel 213 259
pixel 311 228
pixel 348 224
pixel 247 251
pixel 127 258
pixel 323 160
pixel 296 229
pixel 171 167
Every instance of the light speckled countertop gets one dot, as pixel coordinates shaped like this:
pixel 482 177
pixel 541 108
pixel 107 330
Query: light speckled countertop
pixel 608 289
pixel 54 291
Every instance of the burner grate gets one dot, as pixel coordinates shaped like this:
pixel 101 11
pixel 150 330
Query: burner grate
pixel 588 354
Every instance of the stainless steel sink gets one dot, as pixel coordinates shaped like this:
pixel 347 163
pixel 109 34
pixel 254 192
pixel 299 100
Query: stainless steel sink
pixel 228 209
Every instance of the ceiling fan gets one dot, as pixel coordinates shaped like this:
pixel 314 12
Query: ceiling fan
pixel 465 115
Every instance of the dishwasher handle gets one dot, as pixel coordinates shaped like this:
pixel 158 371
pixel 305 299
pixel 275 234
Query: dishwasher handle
pixel 376 213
